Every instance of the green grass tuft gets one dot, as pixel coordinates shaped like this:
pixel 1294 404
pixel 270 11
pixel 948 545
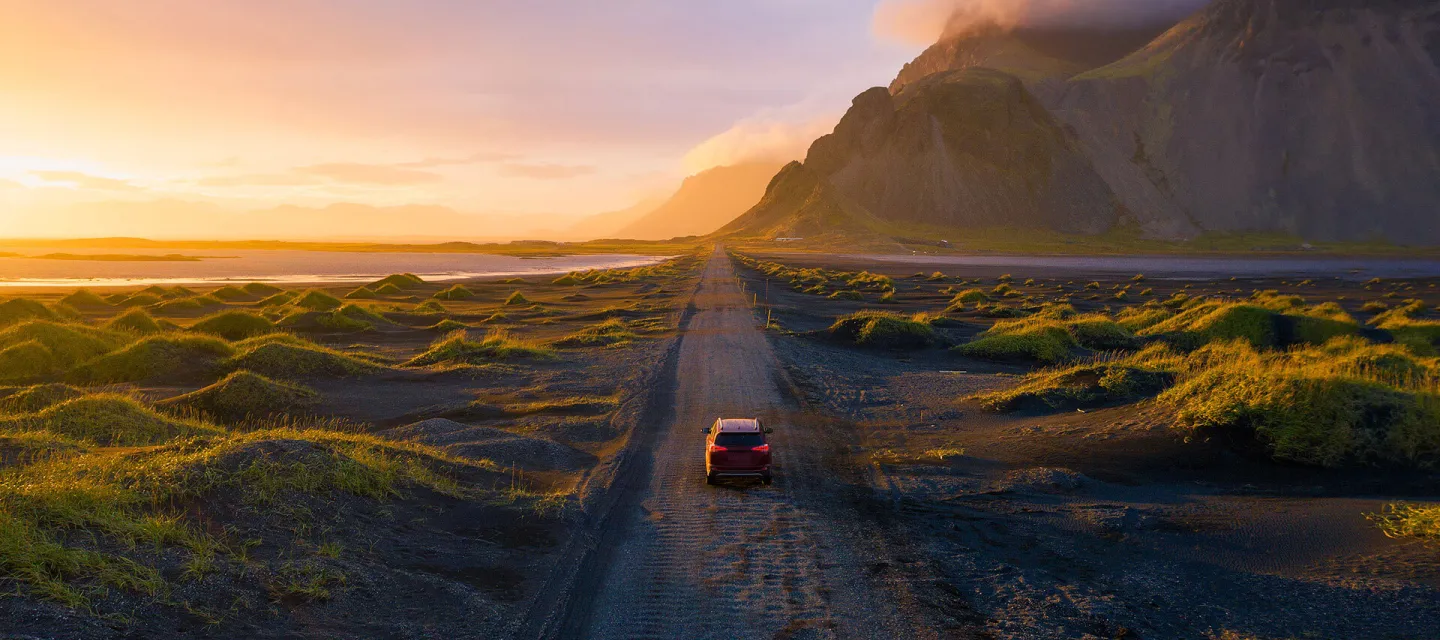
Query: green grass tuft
pixel 244 395
pixel 883 330
pixel 458 348
pixel 38 397
pixel 1404 520
pixel 363 293
pixel 455 292
pixel 107 420
pixel 234 325
pixel 135 321
pixel 27 360
pixel 83 299
pixel 17 310
pixel 163 356
pixel 291 358
pixel 317 300
pixel 567 280
pixel 516 299
pixel 398 281
pixel 607 333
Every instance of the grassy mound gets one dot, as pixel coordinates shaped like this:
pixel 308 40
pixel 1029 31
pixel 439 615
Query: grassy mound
pixel 362 293
pixel 516 299
pixel 260 289
pixel 142 299
pixel 430 306
pixel 1100 333
pixel 17 310
pixel 1308 408
pixel 399 281
pixel 1138 319
pixel 290 358
pixel 1021 341
pixel 317 300
pixel 188 305
pixel 458 348
pixel 243 394
pixel 455 292
pixel 1086 385
pixel 846 294
pixel 39 397
pixel 447 326
pixel 388 290
pixel 131 536
pixel 68 344
pixel 882 330
pixel 234 325
pixel 134 321
pixel 108 420
pixel 26 360
pixel 158 357
pixel 567 280
pixel 33 447
pixel 278 299
pixel 85 299
pixel 347 319
pixel 230 293
pixel 607 333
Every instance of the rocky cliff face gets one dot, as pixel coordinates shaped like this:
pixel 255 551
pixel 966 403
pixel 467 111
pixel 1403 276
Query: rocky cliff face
pixel 1319 118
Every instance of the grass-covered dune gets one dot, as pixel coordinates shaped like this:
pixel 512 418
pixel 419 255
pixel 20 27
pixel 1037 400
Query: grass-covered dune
pixel 245 395
pixel 1348 401
pixel 883 330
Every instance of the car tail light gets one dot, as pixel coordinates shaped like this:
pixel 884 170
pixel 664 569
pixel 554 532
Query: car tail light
pixel 764 448
pixel 716 447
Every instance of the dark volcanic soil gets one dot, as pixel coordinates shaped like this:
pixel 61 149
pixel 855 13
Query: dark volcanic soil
pixel 1108 523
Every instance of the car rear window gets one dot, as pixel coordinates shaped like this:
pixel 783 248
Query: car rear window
pixel 739 439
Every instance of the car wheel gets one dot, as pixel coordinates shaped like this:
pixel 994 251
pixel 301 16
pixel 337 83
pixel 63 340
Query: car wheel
pixel 765 479
pixel 709 479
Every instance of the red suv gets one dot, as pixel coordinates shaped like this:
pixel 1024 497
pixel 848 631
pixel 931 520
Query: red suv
pixel 737 447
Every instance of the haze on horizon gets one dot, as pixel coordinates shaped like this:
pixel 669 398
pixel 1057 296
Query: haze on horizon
pixel 167 118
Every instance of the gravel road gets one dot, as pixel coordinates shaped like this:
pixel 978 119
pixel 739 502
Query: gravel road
pixel 679 559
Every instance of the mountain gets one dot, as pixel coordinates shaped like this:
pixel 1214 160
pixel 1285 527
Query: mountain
pixel 967 148
pixel 1314 118
pixel 609 223
pixel 1318 118
pixel 704 203
pixel 1031 54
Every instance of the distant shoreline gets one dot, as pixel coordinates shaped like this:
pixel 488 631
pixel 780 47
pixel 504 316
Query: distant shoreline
pixel 119 257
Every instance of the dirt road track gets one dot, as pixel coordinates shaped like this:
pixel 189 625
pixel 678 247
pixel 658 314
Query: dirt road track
pixel 679 559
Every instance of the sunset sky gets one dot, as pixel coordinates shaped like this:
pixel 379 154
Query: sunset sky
pixel 487 107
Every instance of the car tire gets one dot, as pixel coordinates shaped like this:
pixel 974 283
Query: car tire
pixel 709 479
pixel 765 479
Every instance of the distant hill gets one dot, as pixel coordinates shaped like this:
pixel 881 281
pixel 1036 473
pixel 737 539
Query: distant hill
pixel 705 202
pixel 608 224
pixel 1313 118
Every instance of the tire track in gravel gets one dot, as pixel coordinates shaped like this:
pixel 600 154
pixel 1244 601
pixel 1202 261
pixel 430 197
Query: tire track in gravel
pixel 737 560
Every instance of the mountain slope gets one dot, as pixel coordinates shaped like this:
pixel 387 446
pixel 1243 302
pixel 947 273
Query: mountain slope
pixel 968 148
pixel 609 223
pixel 704 203
pixel 1319 118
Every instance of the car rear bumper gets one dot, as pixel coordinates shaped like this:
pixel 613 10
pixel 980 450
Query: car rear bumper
pixel 748 471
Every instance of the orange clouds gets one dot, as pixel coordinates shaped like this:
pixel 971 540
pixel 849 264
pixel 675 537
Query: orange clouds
pixel 770 137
